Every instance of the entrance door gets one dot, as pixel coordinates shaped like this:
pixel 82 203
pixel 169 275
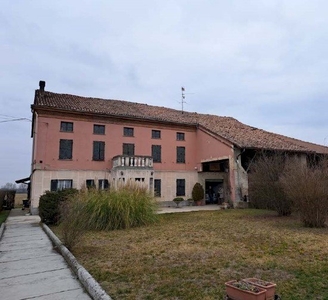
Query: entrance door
pixel 213 191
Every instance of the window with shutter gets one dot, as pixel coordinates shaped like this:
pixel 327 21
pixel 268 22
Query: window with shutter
pixel 98 151
pixel 60 184
pixel 103 184
pixel 157 187
pixel 98 129
pixel 181 154
pixel 128 149
pixel 128 131
pixel 181 187
pixel 66 126
pixel 155 134
pixel 65 149
pixel 156 153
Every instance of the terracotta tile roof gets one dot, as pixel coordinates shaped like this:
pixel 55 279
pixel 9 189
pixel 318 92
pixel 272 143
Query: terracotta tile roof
pixel 241 135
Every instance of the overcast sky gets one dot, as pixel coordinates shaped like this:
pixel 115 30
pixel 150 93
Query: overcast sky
pixel 263 62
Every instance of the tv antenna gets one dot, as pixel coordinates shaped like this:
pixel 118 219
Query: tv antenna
pixel 183 97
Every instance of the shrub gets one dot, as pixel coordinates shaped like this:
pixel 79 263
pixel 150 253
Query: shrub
pixel 128 206
pixel 178 200
pixel 49 210
pixel 197 192
pixel 72 221
pixel 266 191
pixel 2 197
pixel 307 187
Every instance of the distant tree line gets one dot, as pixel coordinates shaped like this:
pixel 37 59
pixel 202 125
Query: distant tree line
pixel 19 188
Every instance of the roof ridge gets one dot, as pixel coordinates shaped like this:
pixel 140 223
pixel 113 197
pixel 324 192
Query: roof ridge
pixel 229 128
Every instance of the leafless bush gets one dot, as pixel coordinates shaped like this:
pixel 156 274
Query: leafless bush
pixel 265 189
pixel 73 221
pixel 307 188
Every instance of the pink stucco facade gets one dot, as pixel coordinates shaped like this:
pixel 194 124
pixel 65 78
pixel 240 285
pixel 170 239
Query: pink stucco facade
pixel 201 148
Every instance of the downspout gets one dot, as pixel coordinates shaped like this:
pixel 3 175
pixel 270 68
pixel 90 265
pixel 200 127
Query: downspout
pixel 238 175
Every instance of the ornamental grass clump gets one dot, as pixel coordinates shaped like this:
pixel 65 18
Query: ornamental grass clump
pixel 125 207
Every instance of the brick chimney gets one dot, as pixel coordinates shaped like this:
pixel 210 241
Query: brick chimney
pixel 42 84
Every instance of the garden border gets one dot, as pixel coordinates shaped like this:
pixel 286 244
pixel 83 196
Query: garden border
pixel 2 229
pixel 90 284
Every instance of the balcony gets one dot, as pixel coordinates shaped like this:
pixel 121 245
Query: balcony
pixel 132 161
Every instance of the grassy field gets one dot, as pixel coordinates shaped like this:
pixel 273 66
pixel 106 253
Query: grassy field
pixel 19 199
pixel 191 255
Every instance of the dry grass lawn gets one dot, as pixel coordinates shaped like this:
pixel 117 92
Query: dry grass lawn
pixel 191 255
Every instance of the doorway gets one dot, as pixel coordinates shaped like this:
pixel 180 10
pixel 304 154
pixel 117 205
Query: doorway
pixel 214 191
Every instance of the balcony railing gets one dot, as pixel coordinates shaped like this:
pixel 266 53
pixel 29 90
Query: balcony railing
pixel 133 161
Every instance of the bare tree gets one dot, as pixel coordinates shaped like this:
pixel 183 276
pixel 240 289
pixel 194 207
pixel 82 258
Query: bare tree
pixel 265 188
pixel 9 186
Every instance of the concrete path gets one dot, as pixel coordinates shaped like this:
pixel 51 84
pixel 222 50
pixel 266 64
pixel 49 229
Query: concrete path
pixel 175 209
pixel 30 268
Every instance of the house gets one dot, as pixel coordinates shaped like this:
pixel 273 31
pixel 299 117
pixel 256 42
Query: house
pixel 81 141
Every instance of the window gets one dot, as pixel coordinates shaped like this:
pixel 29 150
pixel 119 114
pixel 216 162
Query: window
pixel 128 149
pixel 157 187
pixel 98 151
pixel 181 187
pixel 66 126
pixel 156 153
pixel 181 155
pixel 155 134
pixel 58 185
pixel 65 149
pixel 180 136
pixel 90 183
pixel 103 184
pixel 98 129
pixel 127 131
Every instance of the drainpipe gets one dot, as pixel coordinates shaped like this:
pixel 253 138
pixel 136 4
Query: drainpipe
pixel 238 175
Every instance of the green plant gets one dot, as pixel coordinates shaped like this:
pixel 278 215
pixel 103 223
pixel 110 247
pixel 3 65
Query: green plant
pixel 197 192
pixel 128 206
pixel 2 197
pixel 49 210
pixel 178 200
pixel 4 215
pixel 260 243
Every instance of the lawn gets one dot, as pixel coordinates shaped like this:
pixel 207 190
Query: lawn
pixel 3 215
pixel 191 255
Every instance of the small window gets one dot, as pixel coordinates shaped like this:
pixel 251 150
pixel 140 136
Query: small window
pixel 65 149
pixel 98 129
pixel 181 155
pixel 66 126
pixel 103 184
pixel 127 131
pixel 157 187
pixel 90 183
pixel 128 149
pixel 98 151
pixel 62 184
pixel 181 187
pixel 156 153
pixel 180 136
pixel 155 134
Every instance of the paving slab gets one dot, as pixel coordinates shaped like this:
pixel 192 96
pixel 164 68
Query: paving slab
pixel 30 267
pixel 180 209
